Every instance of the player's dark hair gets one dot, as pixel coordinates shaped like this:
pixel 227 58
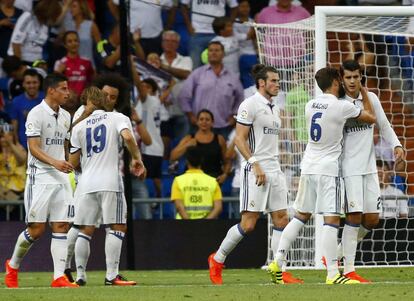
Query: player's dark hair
pixel 11 63
pixel 53 80
pixel 325 77
pixel 193 156
pixel 65 35
pixel 216 43
pixel 350 65
pixel 123 104
pixel 150 81
pixel 207 112
pixel 260 71
pixel 219 24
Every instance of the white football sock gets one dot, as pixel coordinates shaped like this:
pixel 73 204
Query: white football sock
pixel 233 237
pixel 349 242
pixel 59 251
pixel 274 243
pixel 113 245
pixel 289 234
pixel 329 246
pixel 82 251
pixel 72 235
pixel 23 244
pixel 362 233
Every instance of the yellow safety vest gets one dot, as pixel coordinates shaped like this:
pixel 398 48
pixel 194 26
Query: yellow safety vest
pixel 198 191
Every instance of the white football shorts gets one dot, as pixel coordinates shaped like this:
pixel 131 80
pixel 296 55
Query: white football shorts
pixel 319 194
pixel 48 202
pixel 362 194
pixel 270 197
pixel 106 206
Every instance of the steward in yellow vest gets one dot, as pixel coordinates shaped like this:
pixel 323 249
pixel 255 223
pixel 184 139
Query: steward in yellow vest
pixel 196 195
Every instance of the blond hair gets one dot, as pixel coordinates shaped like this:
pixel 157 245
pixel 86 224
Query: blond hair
pixel 95 95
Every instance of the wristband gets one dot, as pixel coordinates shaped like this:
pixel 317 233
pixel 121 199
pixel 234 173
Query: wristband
pixel 252 160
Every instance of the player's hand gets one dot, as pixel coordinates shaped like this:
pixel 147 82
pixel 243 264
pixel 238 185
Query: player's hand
pixel 260 175
pixel 399 154
pixel 63 166
pixel 138 169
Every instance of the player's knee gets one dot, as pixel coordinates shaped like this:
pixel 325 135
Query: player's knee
pixel 354 218
pixel 370 222
pixel 281 222
pixel 36 230
pixel 119 227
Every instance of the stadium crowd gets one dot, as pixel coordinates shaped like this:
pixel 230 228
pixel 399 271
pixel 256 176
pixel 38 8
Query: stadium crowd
pixel 190 71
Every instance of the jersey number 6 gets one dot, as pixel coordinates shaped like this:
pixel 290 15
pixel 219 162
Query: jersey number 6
pixel 315 129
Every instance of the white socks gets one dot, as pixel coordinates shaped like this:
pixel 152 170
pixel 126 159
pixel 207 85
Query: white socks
pixel 233 237
pixel 59 251
pixel 289 234
pixel 113 245
pixel 362 232
pixel 329 246
pixel 274 243
pixel 72 235
pixel 23 244
pixel 82 251
pixel 349 245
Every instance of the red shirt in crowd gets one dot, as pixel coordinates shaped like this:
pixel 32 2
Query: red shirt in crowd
pixel 79 72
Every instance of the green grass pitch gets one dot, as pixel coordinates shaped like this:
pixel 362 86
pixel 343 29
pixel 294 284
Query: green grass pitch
pixel 250 284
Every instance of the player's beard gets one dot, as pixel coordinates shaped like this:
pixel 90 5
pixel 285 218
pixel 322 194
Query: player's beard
pixel 271 94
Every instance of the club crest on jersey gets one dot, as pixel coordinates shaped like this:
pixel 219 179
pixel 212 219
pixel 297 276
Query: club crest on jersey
pixel 243 114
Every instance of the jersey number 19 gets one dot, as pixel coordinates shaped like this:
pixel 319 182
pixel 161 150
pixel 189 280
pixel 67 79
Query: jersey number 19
pixel 96 140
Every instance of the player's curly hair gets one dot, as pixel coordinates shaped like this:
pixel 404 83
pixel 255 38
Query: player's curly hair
pixel 114 80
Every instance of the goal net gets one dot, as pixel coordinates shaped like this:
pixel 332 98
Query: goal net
pixel 382 46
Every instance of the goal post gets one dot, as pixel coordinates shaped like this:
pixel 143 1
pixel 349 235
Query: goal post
pixel 332 35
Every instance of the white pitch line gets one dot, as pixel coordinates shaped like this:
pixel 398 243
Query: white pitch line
pixel 210 285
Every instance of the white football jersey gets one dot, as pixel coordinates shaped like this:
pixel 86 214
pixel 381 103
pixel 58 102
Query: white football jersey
pixel 53 129
pixel 214 8
pixel 78 113
pixel 358 156
pixel 263 118
pixel 97 137
pixel 31 35
pixel 325 118
pixel 150 112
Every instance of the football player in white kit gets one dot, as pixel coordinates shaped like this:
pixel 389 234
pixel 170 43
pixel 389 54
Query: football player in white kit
pixel 48 195
pixel 263 184
pixel 362 191
pixel 95 146
pixel 319 186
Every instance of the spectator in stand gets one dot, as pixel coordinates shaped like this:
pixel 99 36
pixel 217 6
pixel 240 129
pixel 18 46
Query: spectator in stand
pixel 109 50
pixel 200 24
pixel 214 88
pixel 23 103
pixel 391 206
pixel 145 18
pixel 196 195
pixel 77 69
pixel 8 18
pixel 244 33
pixel 223 28
pixel 31 31
pixel 149 107
pixel 81 20
pixel 289 44
pixel 212 147
pixel 12 166
pixel 15 68
pixel 180 68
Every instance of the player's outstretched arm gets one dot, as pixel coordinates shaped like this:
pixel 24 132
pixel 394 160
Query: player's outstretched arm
pixel 38 153
pixel 137 167
pixel 367 114
pixel 242 133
